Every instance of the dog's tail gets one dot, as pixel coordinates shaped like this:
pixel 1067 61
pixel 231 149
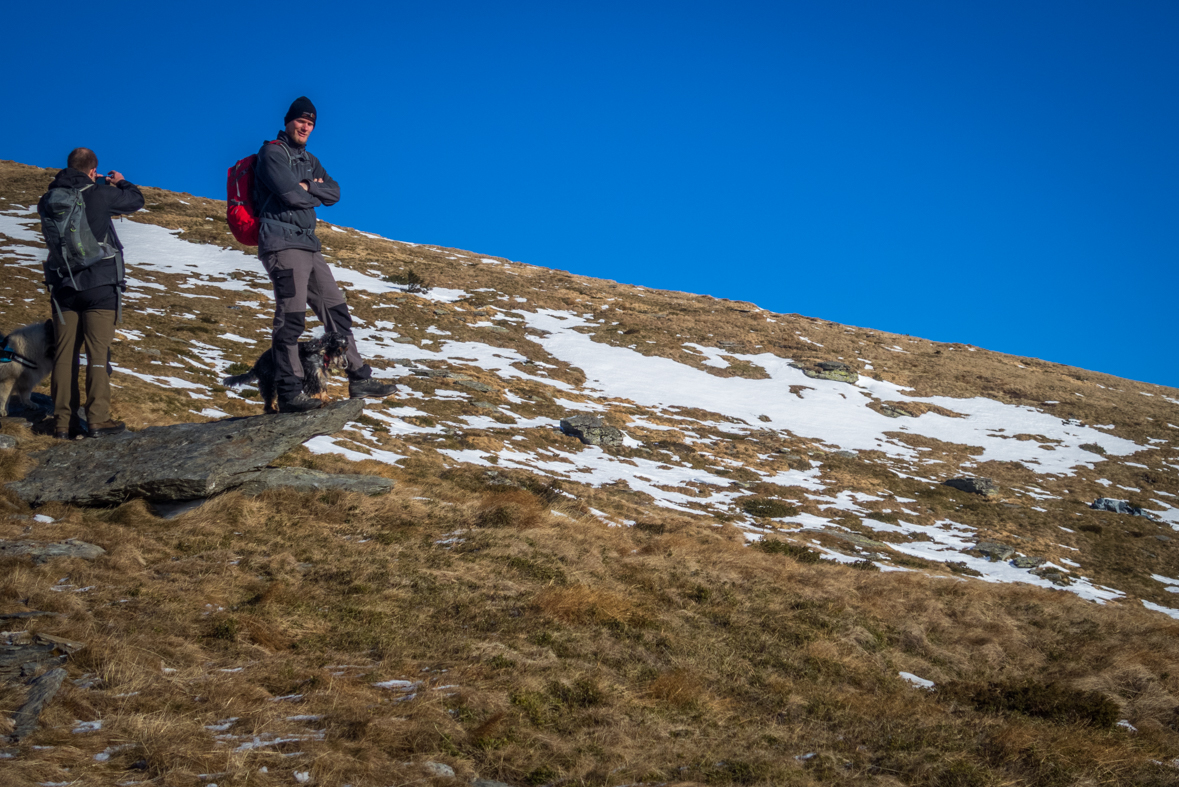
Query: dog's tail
pixel 240 379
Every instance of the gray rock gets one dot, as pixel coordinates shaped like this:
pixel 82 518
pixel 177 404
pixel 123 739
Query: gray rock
pixel 302 479
pixel 830 370
pixel 1024 561
pixel 485 405
pixel 994 550
pixel 41 690
pixel 7 442
pixel 177 462
pixel 591 430
pixel 477 782
pixel 439 769
pixel 978 486
pixel 475 385
pixel 1121 507
pixel 845 454
pixel 1163 538
pixel 497 329
pixel 892 411
pixel 42 552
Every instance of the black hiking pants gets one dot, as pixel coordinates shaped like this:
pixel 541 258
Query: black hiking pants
pixel 302 278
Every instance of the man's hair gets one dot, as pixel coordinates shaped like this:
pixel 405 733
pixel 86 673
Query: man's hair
pixel 82 159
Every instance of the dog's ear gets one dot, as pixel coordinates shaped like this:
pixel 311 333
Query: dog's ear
pixel 312 345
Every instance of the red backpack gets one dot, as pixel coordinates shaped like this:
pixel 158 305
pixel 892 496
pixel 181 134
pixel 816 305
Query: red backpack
pixel 240 213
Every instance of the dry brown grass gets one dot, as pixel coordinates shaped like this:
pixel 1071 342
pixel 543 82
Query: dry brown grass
pixel 542 646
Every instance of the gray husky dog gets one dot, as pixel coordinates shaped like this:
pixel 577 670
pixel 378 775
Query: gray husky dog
pixel 26 358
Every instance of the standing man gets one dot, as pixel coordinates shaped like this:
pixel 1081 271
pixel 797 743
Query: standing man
pixel 289 184
pixel 87 303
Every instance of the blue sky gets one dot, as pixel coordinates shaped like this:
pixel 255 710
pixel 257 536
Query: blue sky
pixel 1002 174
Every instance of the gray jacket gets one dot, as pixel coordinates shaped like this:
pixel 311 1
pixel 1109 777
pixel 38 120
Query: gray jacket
pixel 287 211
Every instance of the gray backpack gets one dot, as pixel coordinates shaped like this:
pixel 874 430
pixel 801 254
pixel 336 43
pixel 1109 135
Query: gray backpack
pixel 72 245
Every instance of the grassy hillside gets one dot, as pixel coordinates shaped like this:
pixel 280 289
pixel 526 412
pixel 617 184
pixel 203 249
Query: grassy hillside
pixel 725 599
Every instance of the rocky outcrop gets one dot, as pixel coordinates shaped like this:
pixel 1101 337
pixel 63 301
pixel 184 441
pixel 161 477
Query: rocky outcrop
pixel 177 462
pixel 301 479
pixel 1121 507
pixel 42 552
pixel 977 486
pixel 591 430
pixel 835 371
pixel 993 550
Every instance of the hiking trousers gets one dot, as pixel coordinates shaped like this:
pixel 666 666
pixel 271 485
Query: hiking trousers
pixel 94 329
pixel 301 279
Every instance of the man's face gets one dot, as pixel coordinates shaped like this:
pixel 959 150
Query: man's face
pixel 299 129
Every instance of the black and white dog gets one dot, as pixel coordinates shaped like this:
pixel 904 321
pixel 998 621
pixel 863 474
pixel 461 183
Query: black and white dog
pixel 318 357
pixel 26 358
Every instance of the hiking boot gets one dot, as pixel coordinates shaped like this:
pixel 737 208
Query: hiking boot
pixel 369 389
pixel 299 403
pixel 107 428
pixel 62 434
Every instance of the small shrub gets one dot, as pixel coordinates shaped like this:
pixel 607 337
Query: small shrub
pixel 410 280
pixel 889 519
pixel 865 565
pixel 1090 527
pixel 1092 448
pixel 767 507
pixel 800 553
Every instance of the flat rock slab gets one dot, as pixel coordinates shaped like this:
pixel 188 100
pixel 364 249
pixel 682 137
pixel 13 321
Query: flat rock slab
pixel 176 462
pixel 301 479
pixel 977 486
pixel 591 430
pixel 994 550
pixel 44 552
pixel 1121 507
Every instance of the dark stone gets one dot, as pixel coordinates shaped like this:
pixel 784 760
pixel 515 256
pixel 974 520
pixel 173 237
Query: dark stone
pixel 475 385
pixel 591 430
pixel 24 654
pixel 977 486
pixel 1121 507
pixel 845 454
pixel 303 480
pixel 1028 562
pixel 42 552
pixel 830 370
pixel 7 442
pixel 41 691
pixel 32 613
pixel 994 550
pixel 177 462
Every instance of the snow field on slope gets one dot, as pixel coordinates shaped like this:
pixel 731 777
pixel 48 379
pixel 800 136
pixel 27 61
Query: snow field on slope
pixel 834 413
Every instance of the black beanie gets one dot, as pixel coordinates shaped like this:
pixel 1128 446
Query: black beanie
pixel 301 108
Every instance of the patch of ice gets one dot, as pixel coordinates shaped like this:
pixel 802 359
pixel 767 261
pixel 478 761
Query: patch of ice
pixel 921 683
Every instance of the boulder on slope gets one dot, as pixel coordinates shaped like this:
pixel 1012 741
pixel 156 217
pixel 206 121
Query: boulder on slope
pixel 175 462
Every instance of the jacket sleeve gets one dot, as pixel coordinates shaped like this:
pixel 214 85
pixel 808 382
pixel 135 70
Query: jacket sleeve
pixel 327 192
pixel 124 199
pixel 274 173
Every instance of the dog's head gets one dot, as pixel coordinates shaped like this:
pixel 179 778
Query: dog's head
pixel 335 345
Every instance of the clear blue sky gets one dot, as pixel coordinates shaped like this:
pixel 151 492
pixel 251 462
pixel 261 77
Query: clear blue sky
pixel 997 173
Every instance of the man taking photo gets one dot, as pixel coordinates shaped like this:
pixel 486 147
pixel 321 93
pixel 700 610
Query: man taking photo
pixel 87 303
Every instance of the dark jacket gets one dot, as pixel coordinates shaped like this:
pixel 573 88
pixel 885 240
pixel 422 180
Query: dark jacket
pixel 286 211
pixel 103 201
